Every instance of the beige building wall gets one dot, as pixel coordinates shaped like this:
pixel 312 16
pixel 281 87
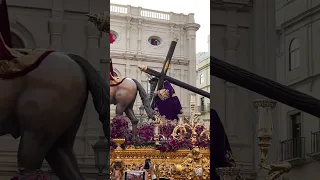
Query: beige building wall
pixel 62 26
pixel 134 27
pixel 243 34
pixel 203 82
pixel 298 66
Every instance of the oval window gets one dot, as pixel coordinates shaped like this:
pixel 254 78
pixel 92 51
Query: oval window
pixel 154 41
pixel 115 35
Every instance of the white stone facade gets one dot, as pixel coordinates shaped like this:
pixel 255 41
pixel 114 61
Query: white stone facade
pixel 242 34
pixel 134 26
pixel 61 25
pixel 203 82
pixel 298 66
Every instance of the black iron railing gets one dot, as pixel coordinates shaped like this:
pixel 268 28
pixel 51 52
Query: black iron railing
pixel 292 148
pixel 315 142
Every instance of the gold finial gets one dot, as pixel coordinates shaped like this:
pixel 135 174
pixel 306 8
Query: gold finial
pixel 143 68
pixel 175 39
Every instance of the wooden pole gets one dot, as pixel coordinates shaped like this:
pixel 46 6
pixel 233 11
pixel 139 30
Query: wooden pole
pixel 264 86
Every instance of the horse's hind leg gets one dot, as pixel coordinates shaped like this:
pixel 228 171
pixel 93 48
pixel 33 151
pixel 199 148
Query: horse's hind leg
pixel 64 163
pixel 134 120
pixel 61 156
pixel 33 148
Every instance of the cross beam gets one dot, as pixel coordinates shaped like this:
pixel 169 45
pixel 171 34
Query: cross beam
pixel 175 81
pixel 264 86
pixel 165 67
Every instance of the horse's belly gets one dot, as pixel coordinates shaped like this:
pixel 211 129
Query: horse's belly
pixel 10 91
pixel 55 94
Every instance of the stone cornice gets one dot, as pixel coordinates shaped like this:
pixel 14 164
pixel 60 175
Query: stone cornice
pixel 192 26
pixel 301 16
pixel 145 20
pixel 233 5
pixel 147 58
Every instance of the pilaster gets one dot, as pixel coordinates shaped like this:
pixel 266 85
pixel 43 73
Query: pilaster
pixel 56 26
pixel 128 34
pixel 191 29
pixel 93 125
pixel 264 38
pixel 139 36
pixel 231 43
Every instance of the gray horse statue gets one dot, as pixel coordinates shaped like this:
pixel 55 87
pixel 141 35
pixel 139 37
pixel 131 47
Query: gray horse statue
pixel 123 94
pixel 123 91
pixel 43 98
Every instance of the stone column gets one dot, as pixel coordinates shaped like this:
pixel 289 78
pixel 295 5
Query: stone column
pixel 231 43
pixel 264 56
pixel 171 30
pixel 181 40
pixel 191 29
pixel 57 26
pixel 264 38
pixel 139 36
pixel 93 125
pixel 128 33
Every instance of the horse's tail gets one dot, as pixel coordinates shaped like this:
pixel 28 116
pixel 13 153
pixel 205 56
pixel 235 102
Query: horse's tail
pixel 98 87
pixel 145 99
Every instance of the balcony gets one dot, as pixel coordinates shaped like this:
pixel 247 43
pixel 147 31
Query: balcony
pixel 315 145
pixel 204 108
pixel 138 11
pixel 293 150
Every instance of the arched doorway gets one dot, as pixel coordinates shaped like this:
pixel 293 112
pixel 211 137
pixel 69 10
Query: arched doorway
pixel 16 41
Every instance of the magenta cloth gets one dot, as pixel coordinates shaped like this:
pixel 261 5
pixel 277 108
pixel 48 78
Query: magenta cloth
pixel 111 38
pixel 170 107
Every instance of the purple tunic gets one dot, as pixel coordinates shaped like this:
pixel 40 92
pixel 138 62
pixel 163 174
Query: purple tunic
pixel 167 103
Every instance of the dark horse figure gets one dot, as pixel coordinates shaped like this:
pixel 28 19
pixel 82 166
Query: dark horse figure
pixel 44 107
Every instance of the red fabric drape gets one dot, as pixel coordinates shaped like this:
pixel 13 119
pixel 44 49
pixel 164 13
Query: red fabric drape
pixel 5 25
pixel 5 33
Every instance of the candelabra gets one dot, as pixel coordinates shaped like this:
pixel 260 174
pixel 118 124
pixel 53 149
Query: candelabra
pixel 265 131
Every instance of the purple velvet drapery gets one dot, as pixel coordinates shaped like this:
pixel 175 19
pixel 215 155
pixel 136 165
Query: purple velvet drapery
pixel 170 107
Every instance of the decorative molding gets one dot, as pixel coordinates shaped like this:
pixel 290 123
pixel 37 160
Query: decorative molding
pixel 234 5
pixel 264 103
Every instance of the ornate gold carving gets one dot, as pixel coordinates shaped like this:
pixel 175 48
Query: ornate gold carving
pixel 194 166
pixel 143 68
pixel 118 143
pixel 169 164
pixel 181 164
pixel 23 60
pixel 116 80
